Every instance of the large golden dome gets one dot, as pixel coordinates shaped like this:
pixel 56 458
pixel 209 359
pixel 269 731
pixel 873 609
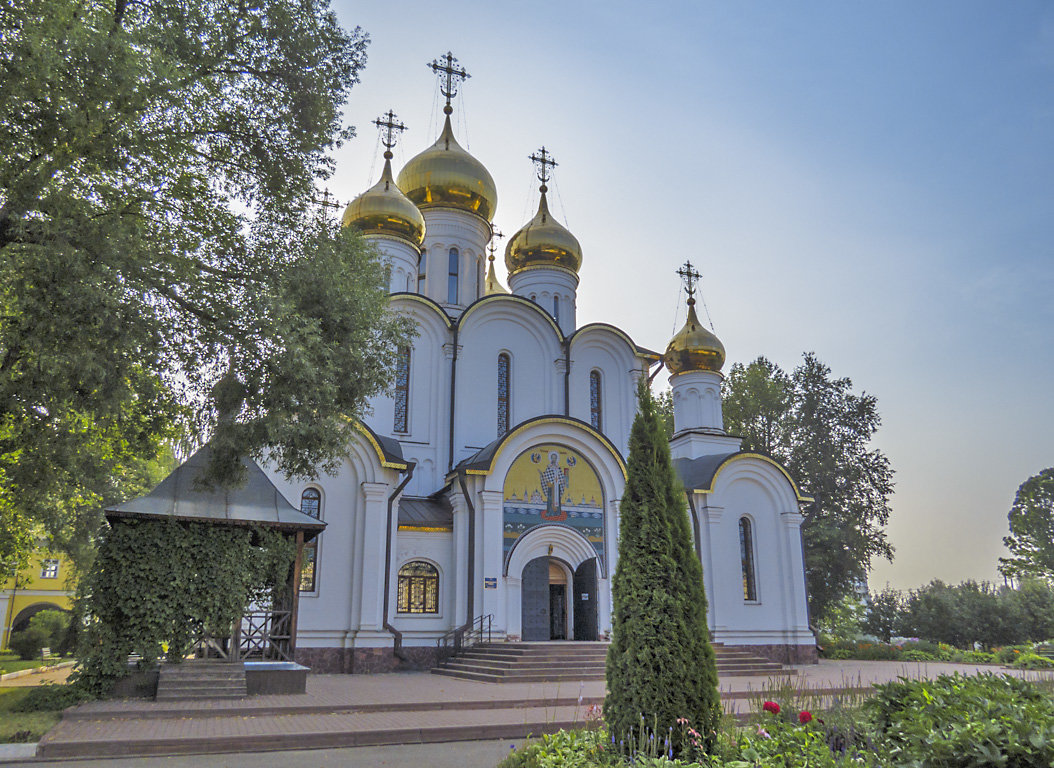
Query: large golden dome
pixel 383 209
pixel 694 348
pixel 447 176
pixel 543 242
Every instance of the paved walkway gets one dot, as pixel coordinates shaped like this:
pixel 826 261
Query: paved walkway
pixel 407 708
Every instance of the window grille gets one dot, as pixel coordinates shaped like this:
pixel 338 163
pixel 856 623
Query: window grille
pixel 402 390
pixel 595 407
pixel 418 588
pixel 746 549
pixel 503 394
pixel 49 569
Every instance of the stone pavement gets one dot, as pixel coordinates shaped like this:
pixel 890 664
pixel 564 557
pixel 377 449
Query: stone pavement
pixel 403 708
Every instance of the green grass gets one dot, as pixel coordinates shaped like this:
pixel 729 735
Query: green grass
pixel 14 665
pixel 23 726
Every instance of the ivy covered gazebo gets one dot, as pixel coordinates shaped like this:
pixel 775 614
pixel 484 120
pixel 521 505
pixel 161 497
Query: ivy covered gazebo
pixel 196 571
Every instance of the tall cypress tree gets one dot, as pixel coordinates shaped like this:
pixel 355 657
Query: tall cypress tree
pixel 660 664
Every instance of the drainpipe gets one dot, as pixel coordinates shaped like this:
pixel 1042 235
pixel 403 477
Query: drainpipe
pixel 453 381
pixel 471 548
pixel 567 378
pixel 398 647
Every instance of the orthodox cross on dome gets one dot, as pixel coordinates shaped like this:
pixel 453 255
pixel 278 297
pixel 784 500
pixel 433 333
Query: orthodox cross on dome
pixel 689 276
pixel 324 201
pixel 390 129
pixel 543 164
pixel 450 77
pixel 495 235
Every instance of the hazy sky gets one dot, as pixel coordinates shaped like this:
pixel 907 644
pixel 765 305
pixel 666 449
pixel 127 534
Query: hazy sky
pixel 872 182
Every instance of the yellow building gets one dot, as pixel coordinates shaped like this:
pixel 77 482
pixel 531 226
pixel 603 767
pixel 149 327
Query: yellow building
pixel 44 584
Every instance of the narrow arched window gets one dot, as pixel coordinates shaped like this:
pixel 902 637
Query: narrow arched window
pixel 310 504
pixel 402 390
pixel 451 279
pixel 746 550
pixel 421 264
pixel 418 588
pixel 503 394
pixel 556 309
pixel 596 412
pixel 479 277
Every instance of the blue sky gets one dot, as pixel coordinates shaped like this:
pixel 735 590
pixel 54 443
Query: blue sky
pixel 872 182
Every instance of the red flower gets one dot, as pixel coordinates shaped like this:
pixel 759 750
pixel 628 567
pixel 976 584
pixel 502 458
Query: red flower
pixel 771 706
pixel 804 717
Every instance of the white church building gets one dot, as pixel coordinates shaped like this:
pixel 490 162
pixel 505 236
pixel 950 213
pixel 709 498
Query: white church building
pixel 488 483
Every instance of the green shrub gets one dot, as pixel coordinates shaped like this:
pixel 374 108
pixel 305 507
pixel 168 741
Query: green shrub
pixel 1032 661
pixel 28 643
pixel 1009 653
pixel 916 655
pixel 877 652
pixel 573 749
pixel 956 722
pixel 838 653
pixel 978 657
pixel 51 697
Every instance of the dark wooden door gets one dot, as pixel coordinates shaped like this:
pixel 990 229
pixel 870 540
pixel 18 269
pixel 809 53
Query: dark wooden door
pixel 557 611
pixel 534 600
pixel 585 597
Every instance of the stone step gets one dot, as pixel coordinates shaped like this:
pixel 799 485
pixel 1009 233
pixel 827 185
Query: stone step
pixel 197 680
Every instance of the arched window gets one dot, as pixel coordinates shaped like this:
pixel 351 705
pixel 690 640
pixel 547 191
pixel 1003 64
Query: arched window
pixel 479 277
pixel 421 264
pixel 402 390
pixel 556 308
pixel 746 551
pixel 503 393
pixel 451 279
pixel 418 588
pixel 310 504
pixel 596 412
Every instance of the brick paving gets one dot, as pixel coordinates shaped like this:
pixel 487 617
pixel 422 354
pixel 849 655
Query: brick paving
pixel 402 708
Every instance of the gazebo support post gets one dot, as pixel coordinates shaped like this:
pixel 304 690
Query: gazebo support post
pixel 295 593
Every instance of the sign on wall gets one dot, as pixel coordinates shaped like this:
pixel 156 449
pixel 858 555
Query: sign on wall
pixel 552 484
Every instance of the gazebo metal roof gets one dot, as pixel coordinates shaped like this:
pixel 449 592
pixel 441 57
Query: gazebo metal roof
pixel 256 502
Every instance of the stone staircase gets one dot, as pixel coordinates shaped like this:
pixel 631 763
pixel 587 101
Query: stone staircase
pixel 199 679
pixel 556 661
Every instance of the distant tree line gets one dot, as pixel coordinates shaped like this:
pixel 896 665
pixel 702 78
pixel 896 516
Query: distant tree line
pixel 964 614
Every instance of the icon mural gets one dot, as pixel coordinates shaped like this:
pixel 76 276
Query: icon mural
pixel 551 484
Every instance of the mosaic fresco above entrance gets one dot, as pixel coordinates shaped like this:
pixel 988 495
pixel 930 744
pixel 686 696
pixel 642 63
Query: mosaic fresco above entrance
pixel 552 484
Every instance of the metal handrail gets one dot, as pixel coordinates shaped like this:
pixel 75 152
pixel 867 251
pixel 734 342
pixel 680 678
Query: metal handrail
pixel 460 639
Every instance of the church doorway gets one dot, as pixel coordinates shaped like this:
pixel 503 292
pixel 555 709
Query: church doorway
pixel 558 603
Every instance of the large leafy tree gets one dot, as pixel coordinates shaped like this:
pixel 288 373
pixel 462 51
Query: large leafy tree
pixel 1031 539
pixel 660 665
pixel 821 431
pixel 157 234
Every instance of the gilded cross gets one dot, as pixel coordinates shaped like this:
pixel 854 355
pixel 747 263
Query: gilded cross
pixel 390 129
pixel 450 76
pixel 543 164
pixel 325 202
pixel 689 275
pixel 495 235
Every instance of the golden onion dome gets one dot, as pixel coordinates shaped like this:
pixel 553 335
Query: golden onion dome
pixel 447 176
pixel 694 348
pixel 543 242
pixel 384 210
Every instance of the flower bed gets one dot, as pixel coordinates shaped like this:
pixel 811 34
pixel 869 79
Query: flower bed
pixel 952 722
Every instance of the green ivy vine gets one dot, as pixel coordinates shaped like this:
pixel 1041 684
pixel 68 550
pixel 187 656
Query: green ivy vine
pixel 155 583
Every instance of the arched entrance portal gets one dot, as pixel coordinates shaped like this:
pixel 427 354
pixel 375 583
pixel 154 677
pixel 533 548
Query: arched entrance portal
pixel 558 603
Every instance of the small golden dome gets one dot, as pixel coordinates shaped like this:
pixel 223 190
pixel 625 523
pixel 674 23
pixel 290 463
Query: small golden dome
pixel 384 210
pixel 447 176
pixel 492 285
pixel 694 348
pixel 543 242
